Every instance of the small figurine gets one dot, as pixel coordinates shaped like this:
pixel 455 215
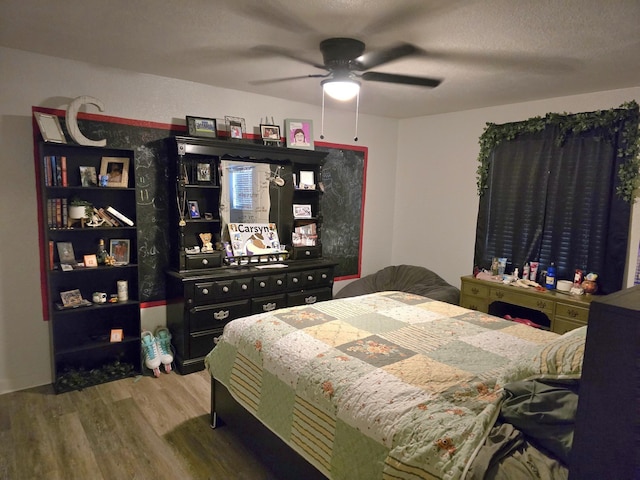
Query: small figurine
pixel 589 284
pixel 207 246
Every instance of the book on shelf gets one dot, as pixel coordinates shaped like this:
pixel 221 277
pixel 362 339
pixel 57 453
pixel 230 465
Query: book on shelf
pixel 63 167
pixel 103 215
pixel 120 216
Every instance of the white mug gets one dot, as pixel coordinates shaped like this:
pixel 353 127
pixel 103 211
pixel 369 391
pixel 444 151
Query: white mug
pixel 99 297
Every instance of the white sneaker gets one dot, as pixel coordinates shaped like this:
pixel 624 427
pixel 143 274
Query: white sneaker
pixel 163 342
pixel 150 352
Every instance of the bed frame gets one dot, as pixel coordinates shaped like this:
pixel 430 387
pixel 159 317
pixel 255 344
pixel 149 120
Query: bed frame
pixel 285 462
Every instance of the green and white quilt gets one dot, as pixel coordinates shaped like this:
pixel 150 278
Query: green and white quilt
pixel 382 386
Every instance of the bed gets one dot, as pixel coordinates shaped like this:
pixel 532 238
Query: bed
pixel 394 385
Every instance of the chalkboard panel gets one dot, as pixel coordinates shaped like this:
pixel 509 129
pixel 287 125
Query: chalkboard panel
pixel 342 204
pixel 151 163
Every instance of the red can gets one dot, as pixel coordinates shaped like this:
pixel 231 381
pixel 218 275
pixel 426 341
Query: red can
pixel 578 276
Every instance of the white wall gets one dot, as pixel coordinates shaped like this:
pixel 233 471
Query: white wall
pixel 35 80
pixel 436 202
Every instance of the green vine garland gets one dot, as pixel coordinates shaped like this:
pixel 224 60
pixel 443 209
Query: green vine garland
pixel 606 122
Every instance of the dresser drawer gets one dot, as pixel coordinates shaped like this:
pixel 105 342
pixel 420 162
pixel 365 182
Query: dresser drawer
pixel 536 302
pixel 474 303
pixel 475 290
pixel 201 343
pixel 212 316
pixel 300 253
pixel 572 312
pixel 269 283
pixel 268 304
pixel 219 290
pixel 309 297
pixel 203 260
pixel 563 325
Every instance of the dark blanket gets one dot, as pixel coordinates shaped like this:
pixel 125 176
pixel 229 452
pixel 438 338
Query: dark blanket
pixel 534 433
pixel 404 278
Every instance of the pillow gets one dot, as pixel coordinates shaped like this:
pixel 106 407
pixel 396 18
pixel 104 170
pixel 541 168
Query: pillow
pixel 559 358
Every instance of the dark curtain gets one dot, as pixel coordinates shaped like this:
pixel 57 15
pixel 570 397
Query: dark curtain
pixel 552 202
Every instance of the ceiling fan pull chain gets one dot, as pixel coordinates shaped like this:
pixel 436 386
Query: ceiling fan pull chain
pixel 322 118
pixel 355 139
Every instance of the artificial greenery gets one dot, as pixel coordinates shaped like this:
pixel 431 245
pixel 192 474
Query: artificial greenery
pixel 79 378
pixel 606 124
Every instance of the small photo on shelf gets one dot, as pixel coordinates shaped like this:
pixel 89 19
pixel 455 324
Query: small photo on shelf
pixel 301 211
pixel 203 172
pixel 117 171
pixel 88 177
pixel 66 254
pixel 194 210
pixel 119 249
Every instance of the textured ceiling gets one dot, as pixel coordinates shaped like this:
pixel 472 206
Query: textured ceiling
pixel 488 52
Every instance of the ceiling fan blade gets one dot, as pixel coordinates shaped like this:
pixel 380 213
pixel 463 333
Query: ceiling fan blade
pixel 283 52
pixel 286 79
pixel 403 79
pixel 373 59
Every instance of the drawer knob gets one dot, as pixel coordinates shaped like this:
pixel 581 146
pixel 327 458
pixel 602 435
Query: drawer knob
pixel 473 307
pixel 499 294
pixel 542 304
pixel 295 280
pixel 573 313
pixel 307 253
pixel 225 289
pixel 205 291
pixel 279 282
pixel 475 290
pixel 221 315
pixel 205 261
pixel 324 276
pixel 267 307
pixel 310 278
pixel 310 300
pixel 262 284
pixel 244 286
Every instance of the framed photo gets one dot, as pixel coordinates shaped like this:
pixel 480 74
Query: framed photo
pixel 88 177
pixel 119 249
pixel 236 127
pixel 299 133
pixel 50 128
pixel 117 171
pixel 117 335
pixel 270 132
pixel 301 211
pixel 202 127
pixel 90 260
pixel 203 172
pixel 71 298
pixel 194 211
pixel 66 254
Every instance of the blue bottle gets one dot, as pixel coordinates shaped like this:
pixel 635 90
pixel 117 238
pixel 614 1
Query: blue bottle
pixel 550 281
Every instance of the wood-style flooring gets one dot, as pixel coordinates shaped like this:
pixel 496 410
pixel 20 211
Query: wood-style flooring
pixel 135 428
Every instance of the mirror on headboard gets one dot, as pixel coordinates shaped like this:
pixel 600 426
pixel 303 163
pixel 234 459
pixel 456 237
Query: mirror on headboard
pixel 256 192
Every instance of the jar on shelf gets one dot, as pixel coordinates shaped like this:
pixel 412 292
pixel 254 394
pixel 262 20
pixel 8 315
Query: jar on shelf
pixel 101 254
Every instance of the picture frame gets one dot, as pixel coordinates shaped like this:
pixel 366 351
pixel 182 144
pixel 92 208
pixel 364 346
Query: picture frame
pixel 235 127
pixel 71 298
pixel 299 133
pixel 203 172
pixel 91 261
pixel 194 210
pixel 117 171
pixel 88 176
pixel 120 250
pixel 301 210
pixel 202 127
pixel 50 127
pixel 116 335
pixel 66 254
pixel 270 132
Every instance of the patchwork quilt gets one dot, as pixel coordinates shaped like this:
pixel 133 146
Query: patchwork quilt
pixel 382 386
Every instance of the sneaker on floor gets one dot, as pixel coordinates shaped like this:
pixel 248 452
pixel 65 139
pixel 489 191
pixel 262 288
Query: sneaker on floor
pixel 163 341
pixel 150 352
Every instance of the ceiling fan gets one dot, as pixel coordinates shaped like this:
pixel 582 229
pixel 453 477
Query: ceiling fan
pixel 347 64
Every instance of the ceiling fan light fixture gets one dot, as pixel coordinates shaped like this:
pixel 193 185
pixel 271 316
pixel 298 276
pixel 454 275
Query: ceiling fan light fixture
pixel 341 89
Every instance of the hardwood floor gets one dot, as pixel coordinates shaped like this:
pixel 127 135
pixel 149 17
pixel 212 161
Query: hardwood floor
pixel 136 428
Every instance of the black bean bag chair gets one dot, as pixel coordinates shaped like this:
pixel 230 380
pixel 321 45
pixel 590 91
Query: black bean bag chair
pixel 405 278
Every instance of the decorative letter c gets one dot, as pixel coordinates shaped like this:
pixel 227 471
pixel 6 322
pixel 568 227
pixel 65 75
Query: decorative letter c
pixel 72 121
